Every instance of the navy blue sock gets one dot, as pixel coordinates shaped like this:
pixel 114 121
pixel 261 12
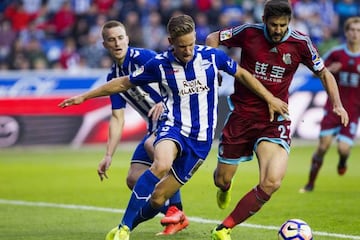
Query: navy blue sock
pixel 145 213
pixel 140 195
pixel 175 200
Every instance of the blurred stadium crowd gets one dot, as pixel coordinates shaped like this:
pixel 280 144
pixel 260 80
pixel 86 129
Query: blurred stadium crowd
pixel 65 34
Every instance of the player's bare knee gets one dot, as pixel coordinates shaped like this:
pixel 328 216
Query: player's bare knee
pixel 160 170
pixel 270 186
pixel 222 180
pixel 130 182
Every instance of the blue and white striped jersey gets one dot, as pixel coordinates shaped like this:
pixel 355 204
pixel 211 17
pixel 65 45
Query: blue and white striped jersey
pixel 190 90
pixel 141 98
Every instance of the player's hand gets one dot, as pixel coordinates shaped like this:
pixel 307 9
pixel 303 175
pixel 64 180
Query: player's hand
pixel 72 101
pixel 341 112
pixel 104 165
pixel 156 111
pixel 276 105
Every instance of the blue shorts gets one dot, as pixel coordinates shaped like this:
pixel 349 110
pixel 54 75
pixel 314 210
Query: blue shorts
pixel 140 155
pixel 192 153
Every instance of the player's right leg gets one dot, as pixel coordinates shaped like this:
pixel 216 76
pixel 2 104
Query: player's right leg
pixel 232 150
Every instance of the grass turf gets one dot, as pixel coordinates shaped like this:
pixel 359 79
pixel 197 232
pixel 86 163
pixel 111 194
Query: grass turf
pixel 54 184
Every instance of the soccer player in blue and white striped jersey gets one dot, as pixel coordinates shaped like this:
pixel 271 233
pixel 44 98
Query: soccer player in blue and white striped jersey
pixel 188 77
pixel 147 101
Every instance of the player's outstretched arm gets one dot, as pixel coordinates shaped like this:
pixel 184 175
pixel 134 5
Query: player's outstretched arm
pixel 332 90
pixel 275 104
pixel 116 85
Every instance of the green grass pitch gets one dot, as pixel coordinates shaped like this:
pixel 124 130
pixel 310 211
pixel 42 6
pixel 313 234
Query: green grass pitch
pixel 54 193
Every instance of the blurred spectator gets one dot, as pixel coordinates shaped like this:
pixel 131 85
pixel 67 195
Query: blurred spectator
pixel 63 21
pixel 7 37
pixel 189 8
pixel 233 12
pixel 69 57
pixel 95 29
pixel 17 15
pixel 103 6
pixel 330 20
pixel 31 32
pixel 166 10
pixel 32 6
pixel 17 58
pixel 328 41
pixel 91 51
pixel 315 26
pixel 214 13
pixel 306 9
pixel 202 28
pixel 132 24
pixel 3 65
pixel 3 5
pixel 81 7
pixel 54 5
pixel 34 53
pixel 203 5
pixel 299 25
pixel 155 33
pixel 258 10
pixel 80 31
pixel 143 10
pixel 346 9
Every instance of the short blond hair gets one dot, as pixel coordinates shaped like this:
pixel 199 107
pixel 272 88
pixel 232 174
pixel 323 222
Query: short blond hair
pixel 111 24
pixel 180 25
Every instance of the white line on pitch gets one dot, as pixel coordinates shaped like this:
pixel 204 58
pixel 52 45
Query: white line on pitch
pixel 193 219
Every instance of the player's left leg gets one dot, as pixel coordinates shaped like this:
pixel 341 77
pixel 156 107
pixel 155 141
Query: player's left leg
pixel 223 177
pixel 163 190
pixel 272 160
pixel 272 163
pixel 173 211
pixel 165 153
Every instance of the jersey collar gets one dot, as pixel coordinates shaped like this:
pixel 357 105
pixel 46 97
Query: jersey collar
pixel 172 57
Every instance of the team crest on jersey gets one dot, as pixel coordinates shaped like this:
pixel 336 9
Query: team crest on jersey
pixel 226 34
pixel 286 58
pixel 138 71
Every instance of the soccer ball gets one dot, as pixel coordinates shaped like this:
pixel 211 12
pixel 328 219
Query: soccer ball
pixel 295 229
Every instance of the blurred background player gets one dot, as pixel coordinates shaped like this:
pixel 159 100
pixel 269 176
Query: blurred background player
pixel 147 101
pixel 344 62
pixel 271 52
